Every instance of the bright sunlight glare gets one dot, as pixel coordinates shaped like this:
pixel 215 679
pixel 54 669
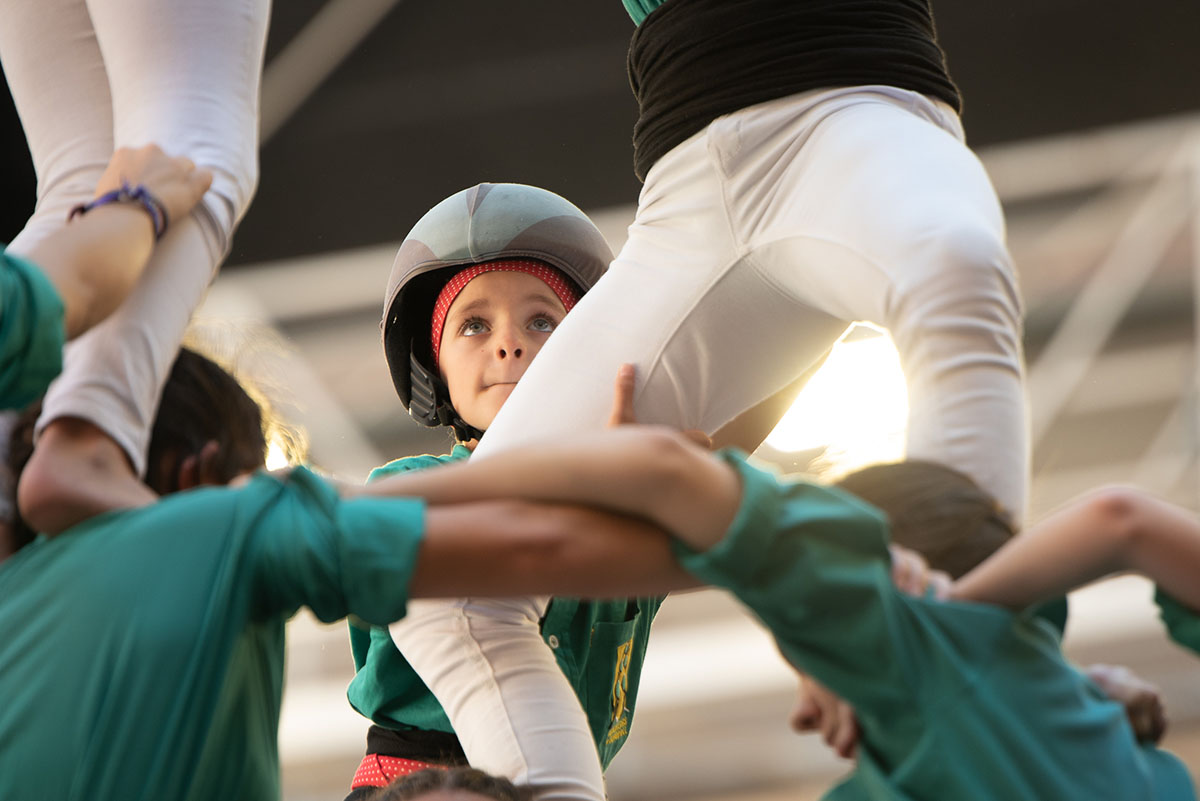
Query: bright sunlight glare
pixel 855 407
pixel 276 457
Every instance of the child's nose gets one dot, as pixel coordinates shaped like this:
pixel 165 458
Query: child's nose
pixel 510 345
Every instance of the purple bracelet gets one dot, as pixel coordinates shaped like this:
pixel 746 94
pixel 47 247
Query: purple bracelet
pixel 130 194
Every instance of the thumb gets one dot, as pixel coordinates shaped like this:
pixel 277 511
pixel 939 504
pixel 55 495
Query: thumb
pixel 622 408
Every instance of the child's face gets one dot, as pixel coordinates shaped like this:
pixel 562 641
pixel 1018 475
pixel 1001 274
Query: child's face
pixel 494 328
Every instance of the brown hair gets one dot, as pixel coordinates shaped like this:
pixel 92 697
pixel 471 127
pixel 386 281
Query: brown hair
pixel 201 402
pixel 934 510
pixel 416 785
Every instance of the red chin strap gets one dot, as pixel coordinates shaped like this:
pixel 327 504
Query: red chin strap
pixel 550 276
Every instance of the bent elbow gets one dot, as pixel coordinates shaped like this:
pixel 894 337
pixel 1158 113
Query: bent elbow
pixel 1117 509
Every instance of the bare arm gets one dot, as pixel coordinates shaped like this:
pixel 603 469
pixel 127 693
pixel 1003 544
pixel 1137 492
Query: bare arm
pixel 95 259
pixel 1110 530
pixel 650 473
pixel 516 547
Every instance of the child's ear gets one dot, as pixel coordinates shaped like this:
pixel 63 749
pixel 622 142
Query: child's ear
pixel 201 468
pixel 189 471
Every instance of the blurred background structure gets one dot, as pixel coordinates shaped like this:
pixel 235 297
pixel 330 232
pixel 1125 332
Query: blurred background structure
pixel 1088 120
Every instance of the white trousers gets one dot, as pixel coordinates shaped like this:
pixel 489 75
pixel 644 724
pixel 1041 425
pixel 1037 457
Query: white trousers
pixel 756 243
pixel 88 77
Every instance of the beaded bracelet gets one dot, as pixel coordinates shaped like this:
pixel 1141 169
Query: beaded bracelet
pixel 130 194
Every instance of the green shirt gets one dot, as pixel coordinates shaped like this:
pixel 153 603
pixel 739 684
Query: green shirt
pixel 640 9
pixel 1182 623
pixel 141 653
pixel 599 645
pixel 954 700
pixel 31 332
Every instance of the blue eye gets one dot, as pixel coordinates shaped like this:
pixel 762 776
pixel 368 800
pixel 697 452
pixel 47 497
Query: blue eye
pixel 473 327
pixel 543 325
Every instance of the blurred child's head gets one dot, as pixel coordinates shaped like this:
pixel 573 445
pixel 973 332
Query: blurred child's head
pixel 496 245
pixel 455 784
pixel 207 429
pixel 934 510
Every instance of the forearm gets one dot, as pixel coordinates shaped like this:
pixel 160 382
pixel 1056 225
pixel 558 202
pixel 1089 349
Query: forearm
pixel 515 548
pixel 94 260
pixel 1106 532
pixel 647 473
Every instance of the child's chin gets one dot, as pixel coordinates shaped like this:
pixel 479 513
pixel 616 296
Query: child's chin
pixel 496 398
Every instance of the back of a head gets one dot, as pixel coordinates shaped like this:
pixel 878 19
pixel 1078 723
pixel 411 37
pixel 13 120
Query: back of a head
pixel 462 783
pixel 934 510
pixel 201 403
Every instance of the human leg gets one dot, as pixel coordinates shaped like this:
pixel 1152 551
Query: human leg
pixel 514 712
pixel 699 315
pixel 60 88
pixel 184 76
pixel 891 219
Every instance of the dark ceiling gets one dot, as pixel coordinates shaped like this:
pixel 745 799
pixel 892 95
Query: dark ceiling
pixel 442 95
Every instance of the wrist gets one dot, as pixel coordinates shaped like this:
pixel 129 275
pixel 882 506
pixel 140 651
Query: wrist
pixel 133 196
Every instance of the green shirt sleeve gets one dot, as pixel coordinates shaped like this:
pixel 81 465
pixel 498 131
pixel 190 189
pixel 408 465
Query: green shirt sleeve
pixel 812 563
pixel 337 557
pixel 1183 624
pixel 32 332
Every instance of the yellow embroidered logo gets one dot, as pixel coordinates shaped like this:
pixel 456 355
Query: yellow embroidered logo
pixel 620 725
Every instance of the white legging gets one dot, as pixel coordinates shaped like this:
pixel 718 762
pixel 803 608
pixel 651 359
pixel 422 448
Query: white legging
pixel 88 77
pixel 756 243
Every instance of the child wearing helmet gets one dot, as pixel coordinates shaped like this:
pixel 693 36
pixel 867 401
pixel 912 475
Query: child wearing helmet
pixel 478 285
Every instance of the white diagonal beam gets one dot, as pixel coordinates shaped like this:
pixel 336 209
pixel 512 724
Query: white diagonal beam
pixel 1103 302
pixel 1166 459
pixel 313 55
